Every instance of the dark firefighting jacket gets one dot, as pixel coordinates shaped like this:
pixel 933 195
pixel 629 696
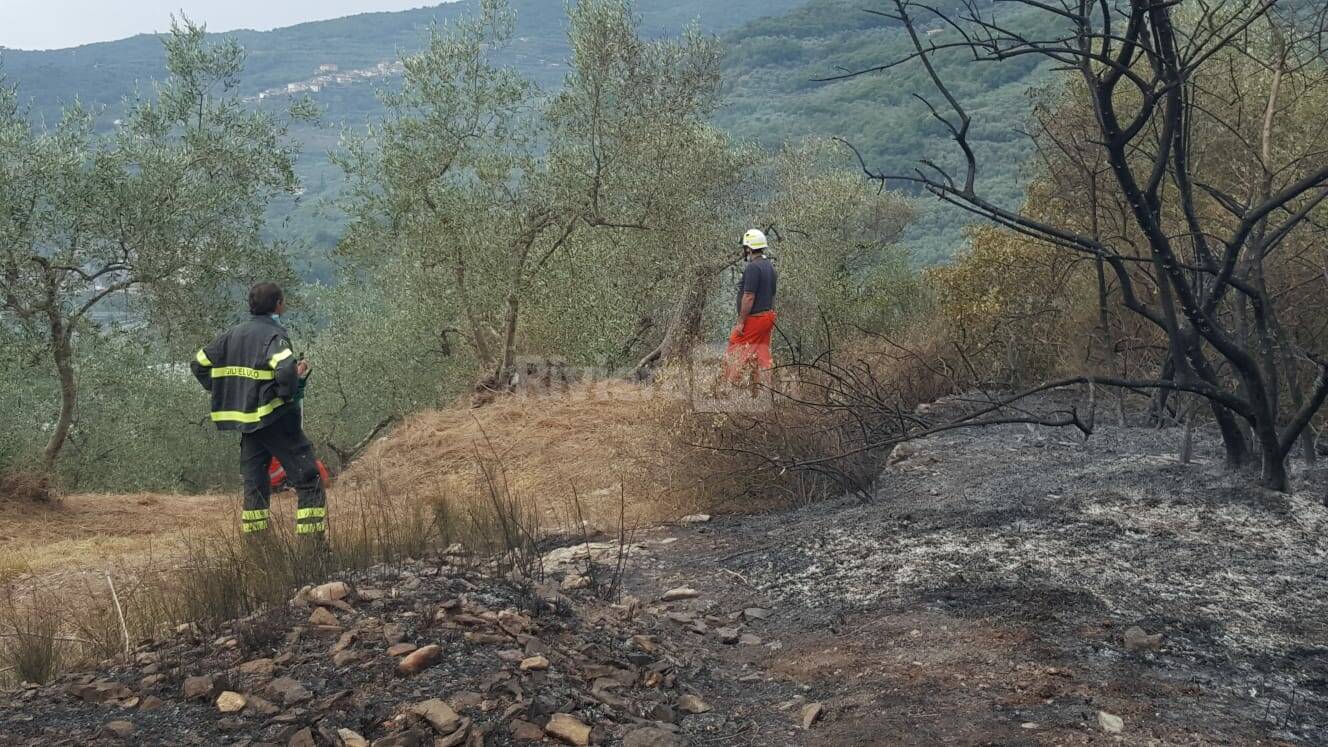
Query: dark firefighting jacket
pixel 250 371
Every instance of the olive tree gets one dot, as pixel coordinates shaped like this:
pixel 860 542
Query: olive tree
pixel 163 209
pixel 480 186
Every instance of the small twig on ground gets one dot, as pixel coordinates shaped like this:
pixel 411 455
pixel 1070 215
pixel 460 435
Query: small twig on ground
pixel 738 576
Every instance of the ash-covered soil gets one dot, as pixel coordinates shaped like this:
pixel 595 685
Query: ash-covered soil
pixel 985 595
pixel 1005 586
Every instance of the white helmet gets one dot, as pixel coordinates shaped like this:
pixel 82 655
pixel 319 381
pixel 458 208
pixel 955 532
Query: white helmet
pixel 755 240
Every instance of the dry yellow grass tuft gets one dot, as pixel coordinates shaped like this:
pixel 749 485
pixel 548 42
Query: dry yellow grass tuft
pixel 601 441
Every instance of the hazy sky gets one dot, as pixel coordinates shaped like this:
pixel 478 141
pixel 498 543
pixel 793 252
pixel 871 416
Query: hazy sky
pixel 52 24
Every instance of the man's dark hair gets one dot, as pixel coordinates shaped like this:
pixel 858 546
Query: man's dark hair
pixel 263 298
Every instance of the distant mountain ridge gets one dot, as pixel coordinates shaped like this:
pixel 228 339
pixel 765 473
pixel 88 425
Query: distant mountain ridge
pixel 774 49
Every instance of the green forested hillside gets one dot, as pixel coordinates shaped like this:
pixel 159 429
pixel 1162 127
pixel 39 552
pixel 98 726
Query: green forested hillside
pixel 771 96
pixel 774 49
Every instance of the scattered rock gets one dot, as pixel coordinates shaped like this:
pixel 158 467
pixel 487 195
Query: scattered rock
pixel 575 582
pixel 394 634
pixel 692 704
pixel 524 731
pixel 1138 639
pixel 811 713
pixel 646 643
pixel 756 613
pixel 101 692
pixel 118 729
pixel 695 519
pixel 287 691
pixel 420 660
pixel 323 618
pixel 568 729
pixel 352 739
pixel 1110 723
pixel 653 736
pixel 198 688
pixel 257 706
pixel 303 738
pixel 727 636
pixel 440 715
pixel 680 593
pixel 258 667
pixel 535 664
pixel 343 643
pixel 401 649
pixel 150 703
pixel 329 593
pixel 231 702
pixel 747 639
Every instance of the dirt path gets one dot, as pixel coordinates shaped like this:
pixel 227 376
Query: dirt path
pixel 982 598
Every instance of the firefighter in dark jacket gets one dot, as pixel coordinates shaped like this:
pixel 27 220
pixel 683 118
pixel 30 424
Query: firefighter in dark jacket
pixel 255 379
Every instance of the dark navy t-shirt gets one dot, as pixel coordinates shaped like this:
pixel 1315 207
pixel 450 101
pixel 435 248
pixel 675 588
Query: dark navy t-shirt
pixel 759 277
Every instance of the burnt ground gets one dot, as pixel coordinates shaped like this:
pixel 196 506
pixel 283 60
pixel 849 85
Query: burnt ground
pixel 980 598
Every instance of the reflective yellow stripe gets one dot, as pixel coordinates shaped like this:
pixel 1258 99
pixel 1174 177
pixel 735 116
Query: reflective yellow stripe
pixel 279 357
pixel 310 513
pixel 311 528
pixel 257 515
pixel 244 372
pixel 202 359
pixel 253 526
pixel 235 416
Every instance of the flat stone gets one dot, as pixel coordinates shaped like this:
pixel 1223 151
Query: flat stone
pixel 692 704
pixel 324 618
pixel 150 703
pixel 747 639
pixel 440 715
pixel 695 519
pixel 335 591
pixel 288 691
pixel 401 649
pixel 535 664
pixel 118 729
pixel 727 636
pixel 653 736
pixel 1138 639
pixel 465 699
pixel 756 613
pixel 394 633
pixel 524 731
pixel 569 729
pixel 456 737
pixel 420 660
pixel 680 593
pixel 231 702
pixel 574 582
pixel 257 706
pixel 1110 723
pixel 198 688
pixel 303 738
pixel 258 667
pixel 352 738
pixel 811 713
pixel 102 691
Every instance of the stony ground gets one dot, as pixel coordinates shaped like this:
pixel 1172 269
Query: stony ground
pixel 1010 586
pixel 987 595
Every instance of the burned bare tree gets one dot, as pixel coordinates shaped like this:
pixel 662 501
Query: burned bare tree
pixel 1201 274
